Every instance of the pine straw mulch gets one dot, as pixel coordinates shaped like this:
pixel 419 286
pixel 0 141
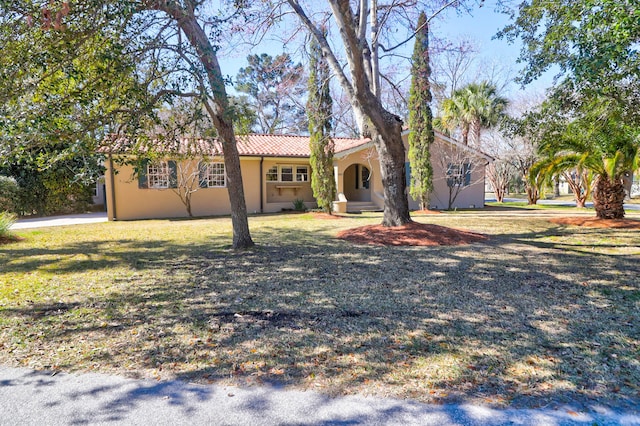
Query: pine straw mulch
pixel 411 234
pixel 594 222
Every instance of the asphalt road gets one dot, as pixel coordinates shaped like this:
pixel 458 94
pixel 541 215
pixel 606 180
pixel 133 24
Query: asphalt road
pixel 40 398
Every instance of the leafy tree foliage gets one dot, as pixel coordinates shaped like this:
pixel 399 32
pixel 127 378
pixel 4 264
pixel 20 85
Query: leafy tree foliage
pixel 593 138
pixel 61 88
pixel 595 44
pixel 47 190
pixel 9 190
pixel 244 116
pixel 472 108
pixel 319 113
pixel 113 63
pixel 421 134
pixel 274 86
pixel 592 41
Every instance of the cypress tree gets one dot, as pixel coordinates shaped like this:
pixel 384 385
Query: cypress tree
pixel 421 134
pixel 319 106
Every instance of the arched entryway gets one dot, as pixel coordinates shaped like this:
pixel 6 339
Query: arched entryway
pixel 357 183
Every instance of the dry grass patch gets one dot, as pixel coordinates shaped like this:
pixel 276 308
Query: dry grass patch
pixel 541 313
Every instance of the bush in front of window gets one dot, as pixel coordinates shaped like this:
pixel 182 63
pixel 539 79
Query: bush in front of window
pixel 299 206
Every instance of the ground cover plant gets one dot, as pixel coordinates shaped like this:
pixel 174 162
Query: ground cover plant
pixel 6 220
pixel 536 314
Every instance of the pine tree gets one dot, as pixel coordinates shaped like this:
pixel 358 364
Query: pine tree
pixel 319 107
pixel 421 134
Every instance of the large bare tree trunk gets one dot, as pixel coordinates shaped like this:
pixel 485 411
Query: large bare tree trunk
pixel 608 198
pixel 241 236
pixel 220 115
pixel 391 154
pixel 384 128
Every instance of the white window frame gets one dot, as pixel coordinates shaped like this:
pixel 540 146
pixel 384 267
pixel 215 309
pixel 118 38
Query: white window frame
pixel 284 171
pixel 304 176
pixel 295 173
pixel 158 175
pixel 215 175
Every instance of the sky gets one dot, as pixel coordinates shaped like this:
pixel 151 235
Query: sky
pixel 480 25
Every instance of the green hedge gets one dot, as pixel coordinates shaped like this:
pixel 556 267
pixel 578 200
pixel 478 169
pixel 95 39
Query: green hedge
pixel 9 191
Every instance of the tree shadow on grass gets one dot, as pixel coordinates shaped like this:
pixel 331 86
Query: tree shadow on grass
pixel 519 319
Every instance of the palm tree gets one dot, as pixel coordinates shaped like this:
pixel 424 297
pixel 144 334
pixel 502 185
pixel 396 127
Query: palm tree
pixel 599 143
pixel 472 108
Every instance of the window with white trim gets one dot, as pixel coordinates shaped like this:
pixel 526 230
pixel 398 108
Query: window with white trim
pixel 302 174
pixel 288 173
pixel 272 174
pixel 213 175
pixel 158 175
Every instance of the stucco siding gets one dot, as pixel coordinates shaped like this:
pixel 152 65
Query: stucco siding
pixel 470 196
pixel 279 195
pixel 346 176
pixel 443 154
pixel 126 200
pixel 132 202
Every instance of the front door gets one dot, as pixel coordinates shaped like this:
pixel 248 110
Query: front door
pixel 357 183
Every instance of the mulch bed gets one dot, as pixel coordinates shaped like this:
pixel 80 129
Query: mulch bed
pixel 594 222
pixel 9 240
pixel 411 234
pixel 321 215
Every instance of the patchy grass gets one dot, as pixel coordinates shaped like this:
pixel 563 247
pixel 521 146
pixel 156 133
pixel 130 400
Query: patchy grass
pixel 540 313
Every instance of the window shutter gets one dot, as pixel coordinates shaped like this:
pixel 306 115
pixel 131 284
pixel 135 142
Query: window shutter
pixel 467 174
pixel 202 167
pixel 142 174
pixel 407 173
pixel 173 174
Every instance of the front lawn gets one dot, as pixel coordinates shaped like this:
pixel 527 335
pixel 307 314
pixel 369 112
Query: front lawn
pixel 538 313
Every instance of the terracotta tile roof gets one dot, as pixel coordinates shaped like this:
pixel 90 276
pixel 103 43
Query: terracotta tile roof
pixel 287 145
pixel 248 145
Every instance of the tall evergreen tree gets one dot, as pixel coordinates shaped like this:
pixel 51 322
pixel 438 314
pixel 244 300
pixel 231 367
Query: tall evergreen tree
pixel 319 106
pixel 421 134
pixel 274 86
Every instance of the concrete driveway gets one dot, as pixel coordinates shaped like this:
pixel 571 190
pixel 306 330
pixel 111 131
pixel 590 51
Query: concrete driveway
pixel 73 219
